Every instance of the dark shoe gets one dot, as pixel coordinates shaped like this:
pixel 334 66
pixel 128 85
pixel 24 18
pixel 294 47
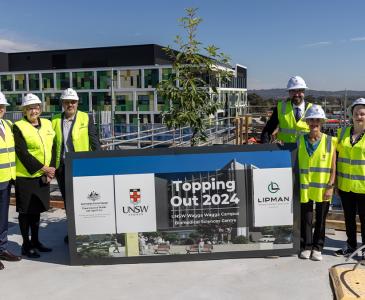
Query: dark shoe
pixel 41 248
pixel 8 256
pixel 30 252
pixel 346 252
pixel 66 239
pixel 1 266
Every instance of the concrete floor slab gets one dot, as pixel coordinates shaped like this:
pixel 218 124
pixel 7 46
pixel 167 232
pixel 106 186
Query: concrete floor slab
pixel 50 277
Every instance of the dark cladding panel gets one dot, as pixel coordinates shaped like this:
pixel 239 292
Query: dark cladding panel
pixel 242 73
pixel 138 55
pixel 4 62
pixel 29 61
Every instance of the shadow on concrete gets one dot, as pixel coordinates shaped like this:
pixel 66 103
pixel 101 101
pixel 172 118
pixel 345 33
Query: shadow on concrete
pixel 52 231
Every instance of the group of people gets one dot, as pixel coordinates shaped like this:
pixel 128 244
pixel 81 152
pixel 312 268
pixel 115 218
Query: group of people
pixel 32 153
pixel 325 163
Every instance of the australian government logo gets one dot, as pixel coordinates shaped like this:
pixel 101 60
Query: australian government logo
pixel 273 198
pixel 93 196
pixel 136 206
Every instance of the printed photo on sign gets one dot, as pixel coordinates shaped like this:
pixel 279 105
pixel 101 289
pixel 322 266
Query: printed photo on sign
pixel 94 205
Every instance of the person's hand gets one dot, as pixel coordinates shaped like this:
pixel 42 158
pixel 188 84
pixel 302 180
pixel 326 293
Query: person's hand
pixel 49 171
pixel 328 193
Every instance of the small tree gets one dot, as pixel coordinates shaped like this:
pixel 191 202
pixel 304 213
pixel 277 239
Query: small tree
pixel 194 86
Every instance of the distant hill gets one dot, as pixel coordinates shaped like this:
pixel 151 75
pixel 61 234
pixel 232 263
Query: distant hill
pixel 283 93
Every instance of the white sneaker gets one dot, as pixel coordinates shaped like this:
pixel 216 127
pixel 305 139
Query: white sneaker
pixel 305 254
pixel 316 255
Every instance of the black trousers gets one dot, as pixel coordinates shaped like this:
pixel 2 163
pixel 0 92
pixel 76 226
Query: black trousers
pixel 308 239
pixel 352 204
pixel 60 176
pixel 4 213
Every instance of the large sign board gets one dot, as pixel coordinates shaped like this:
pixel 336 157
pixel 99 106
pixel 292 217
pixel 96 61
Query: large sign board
pixel 182 204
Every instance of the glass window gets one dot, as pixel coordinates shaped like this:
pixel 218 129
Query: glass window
pixel 168 73
pixel 157 119
pixel 20 82
pixel 62 80
pixel 120 124
pixel 83 80
pixel 47 81
pixel 52 102
pixel 163 104
pixel 130 78
pixel 101 101
pixel 15 100
pixel 6 82
pixel 83 101
pixel 33 82
pixel 104 79
pixel 133 119
pixel 145 101
pixel 150 78
pixel 123 101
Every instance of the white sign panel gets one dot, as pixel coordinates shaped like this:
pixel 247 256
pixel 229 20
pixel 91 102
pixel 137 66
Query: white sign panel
pixel 94 205
pixel 273 197
pixel 135 203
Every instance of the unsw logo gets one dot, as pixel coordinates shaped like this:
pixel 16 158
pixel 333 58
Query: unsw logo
pixel 135 198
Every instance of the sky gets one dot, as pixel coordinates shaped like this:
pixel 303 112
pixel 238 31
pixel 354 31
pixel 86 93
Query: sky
pixel 323 41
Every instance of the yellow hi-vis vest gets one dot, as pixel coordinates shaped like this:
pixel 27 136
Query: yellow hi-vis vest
pixel 315 170
pixel 289 128
pixel 79 134
pixel 39 144
pixel 350 163
pixel 7 154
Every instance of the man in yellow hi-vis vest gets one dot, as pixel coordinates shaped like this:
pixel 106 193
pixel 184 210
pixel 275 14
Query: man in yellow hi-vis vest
pixel 7 174
pixel 75 132
pixel 287 117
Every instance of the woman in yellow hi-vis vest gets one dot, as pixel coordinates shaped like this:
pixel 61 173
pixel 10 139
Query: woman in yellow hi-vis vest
pixel 351 175
pixel 317 171
pixel 35 168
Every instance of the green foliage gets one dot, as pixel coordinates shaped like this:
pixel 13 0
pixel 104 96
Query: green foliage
pixel 192 89
pixel 240 240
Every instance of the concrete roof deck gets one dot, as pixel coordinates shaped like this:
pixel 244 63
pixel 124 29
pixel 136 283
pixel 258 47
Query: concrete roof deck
pixel 264 278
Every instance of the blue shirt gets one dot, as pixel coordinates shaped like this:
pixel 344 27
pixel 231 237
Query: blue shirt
pixel 309 146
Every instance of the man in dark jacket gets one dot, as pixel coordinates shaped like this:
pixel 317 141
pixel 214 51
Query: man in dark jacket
pixel 287 118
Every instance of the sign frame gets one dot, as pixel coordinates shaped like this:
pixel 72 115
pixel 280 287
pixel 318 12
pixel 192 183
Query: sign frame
pixel 71 157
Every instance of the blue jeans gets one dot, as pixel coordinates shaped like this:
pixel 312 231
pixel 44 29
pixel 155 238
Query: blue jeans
pixel 4 214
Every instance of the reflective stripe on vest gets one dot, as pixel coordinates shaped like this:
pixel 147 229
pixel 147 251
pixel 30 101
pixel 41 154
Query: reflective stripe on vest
pixel 289 128
pixel 315 170
pixel 350 163
pixel 79 134
pixel 7 154
pixel 39 143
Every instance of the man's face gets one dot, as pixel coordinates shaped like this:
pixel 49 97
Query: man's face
pixel 2 110
pixel 70 107
pixel 296 96
pixel 358 115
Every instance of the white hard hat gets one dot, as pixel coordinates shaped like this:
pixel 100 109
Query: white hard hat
pixel 69 94
pixel 315 112
pixel 3 100
pixel 30 99
pixel 296 83
pixel 360 101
